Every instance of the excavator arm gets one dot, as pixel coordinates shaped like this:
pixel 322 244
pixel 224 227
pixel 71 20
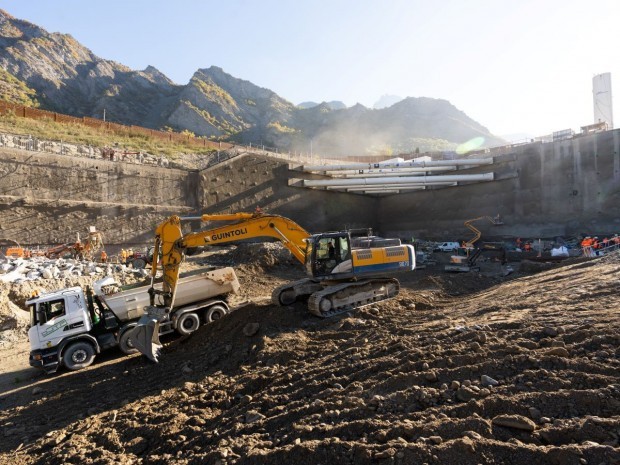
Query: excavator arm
pixel 172 244
pixel 477 233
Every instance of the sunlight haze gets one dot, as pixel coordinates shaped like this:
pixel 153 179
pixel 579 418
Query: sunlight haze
pixel 515 67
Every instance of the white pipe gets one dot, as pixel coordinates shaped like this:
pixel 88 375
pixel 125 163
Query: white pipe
pixel 393 172
pixel 379 189
pixel 391 186
pixel 398 180
pixel 364 175
pixel 404 164
pixel 377 192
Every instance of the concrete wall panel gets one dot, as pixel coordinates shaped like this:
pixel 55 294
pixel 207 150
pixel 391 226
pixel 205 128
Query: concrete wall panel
pixel 541 190
pixel 562 188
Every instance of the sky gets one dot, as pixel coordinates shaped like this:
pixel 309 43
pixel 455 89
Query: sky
pixel 516 67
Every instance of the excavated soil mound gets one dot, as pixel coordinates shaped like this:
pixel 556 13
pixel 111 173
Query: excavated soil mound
pixel 265 255
pixel 524 371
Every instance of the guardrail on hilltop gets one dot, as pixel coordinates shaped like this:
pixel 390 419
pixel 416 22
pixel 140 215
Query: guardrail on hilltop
pixel 115 128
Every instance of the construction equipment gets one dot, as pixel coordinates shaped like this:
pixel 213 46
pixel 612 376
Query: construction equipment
pixel 467 262
pixel 60 250
pixel 70 326
pixel 77 249
pixel 139 259
pixel 463 259
pixel 93 244
pixel 16 251
pixel 477 234
pixel 340 278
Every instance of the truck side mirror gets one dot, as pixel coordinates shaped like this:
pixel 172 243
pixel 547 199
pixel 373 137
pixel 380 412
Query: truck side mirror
pixel 41 318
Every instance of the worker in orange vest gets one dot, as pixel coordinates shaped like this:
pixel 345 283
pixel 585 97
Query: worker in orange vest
pixel 605 242
pixel 596 246
pixel 586 246
pixel 104 256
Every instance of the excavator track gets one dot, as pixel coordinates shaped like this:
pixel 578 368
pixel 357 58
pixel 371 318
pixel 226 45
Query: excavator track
pixel 345 297
pixel 287 294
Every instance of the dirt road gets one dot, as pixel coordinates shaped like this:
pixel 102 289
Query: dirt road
pixel 458 369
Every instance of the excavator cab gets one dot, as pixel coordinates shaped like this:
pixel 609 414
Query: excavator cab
pixel 328 256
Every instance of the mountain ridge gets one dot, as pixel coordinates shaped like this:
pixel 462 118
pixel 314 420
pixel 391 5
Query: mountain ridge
pixel 55 72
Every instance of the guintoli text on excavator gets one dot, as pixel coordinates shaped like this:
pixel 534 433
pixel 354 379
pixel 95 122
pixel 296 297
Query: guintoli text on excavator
pixel 225 235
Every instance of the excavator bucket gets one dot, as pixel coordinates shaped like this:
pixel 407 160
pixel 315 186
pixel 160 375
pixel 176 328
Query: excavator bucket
pixel 145 335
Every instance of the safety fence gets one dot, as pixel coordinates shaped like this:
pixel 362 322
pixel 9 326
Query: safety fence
pixel 109 127
pixel 602 248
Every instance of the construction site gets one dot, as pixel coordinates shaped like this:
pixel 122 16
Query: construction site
pixel 438 309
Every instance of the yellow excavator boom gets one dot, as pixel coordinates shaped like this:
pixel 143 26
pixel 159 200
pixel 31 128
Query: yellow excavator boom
pixel 477 233
pixel 172 243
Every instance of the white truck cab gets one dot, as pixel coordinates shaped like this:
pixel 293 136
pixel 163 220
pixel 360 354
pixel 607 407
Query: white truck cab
pixel 60 323
pixel 57 315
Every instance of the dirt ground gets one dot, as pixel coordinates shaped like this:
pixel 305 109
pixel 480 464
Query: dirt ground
pixel 458 369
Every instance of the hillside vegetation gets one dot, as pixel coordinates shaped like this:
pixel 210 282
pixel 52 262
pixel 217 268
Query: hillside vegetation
pixel 78 134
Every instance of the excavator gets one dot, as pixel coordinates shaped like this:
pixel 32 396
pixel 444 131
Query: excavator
pixel 468 255
pixel 341 276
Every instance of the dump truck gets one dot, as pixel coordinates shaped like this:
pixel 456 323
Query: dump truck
pixel 69 327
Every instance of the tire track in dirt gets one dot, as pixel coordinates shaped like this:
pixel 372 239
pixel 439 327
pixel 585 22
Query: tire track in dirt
pixel 524 370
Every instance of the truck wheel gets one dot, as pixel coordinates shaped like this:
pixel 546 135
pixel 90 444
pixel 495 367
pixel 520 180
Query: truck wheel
pixel 125 343
pixel 78 355
pixel 138 264
pixel 215 313
pixel 188 323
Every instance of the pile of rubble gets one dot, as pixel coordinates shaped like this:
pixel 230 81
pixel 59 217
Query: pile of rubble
pixel 20 278
pixel 20 269
pixel 28 142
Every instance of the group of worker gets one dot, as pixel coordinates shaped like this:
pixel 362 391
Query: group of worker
pixel 526 247
pixel 124 255
pixel 592 246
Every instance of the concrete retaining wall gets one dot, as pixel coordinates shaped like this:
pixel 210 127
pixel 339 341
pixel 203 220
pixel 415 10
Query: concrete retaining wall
pixel 544 190
pixel 47 199
pixel 247 182
pixel 562 188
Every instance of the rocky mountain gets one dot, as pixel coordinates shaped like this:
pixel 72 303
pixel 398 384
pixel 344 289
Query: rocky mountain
pixel 334 105
pixel 57 73
pixel 68 78
pixel 216 104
